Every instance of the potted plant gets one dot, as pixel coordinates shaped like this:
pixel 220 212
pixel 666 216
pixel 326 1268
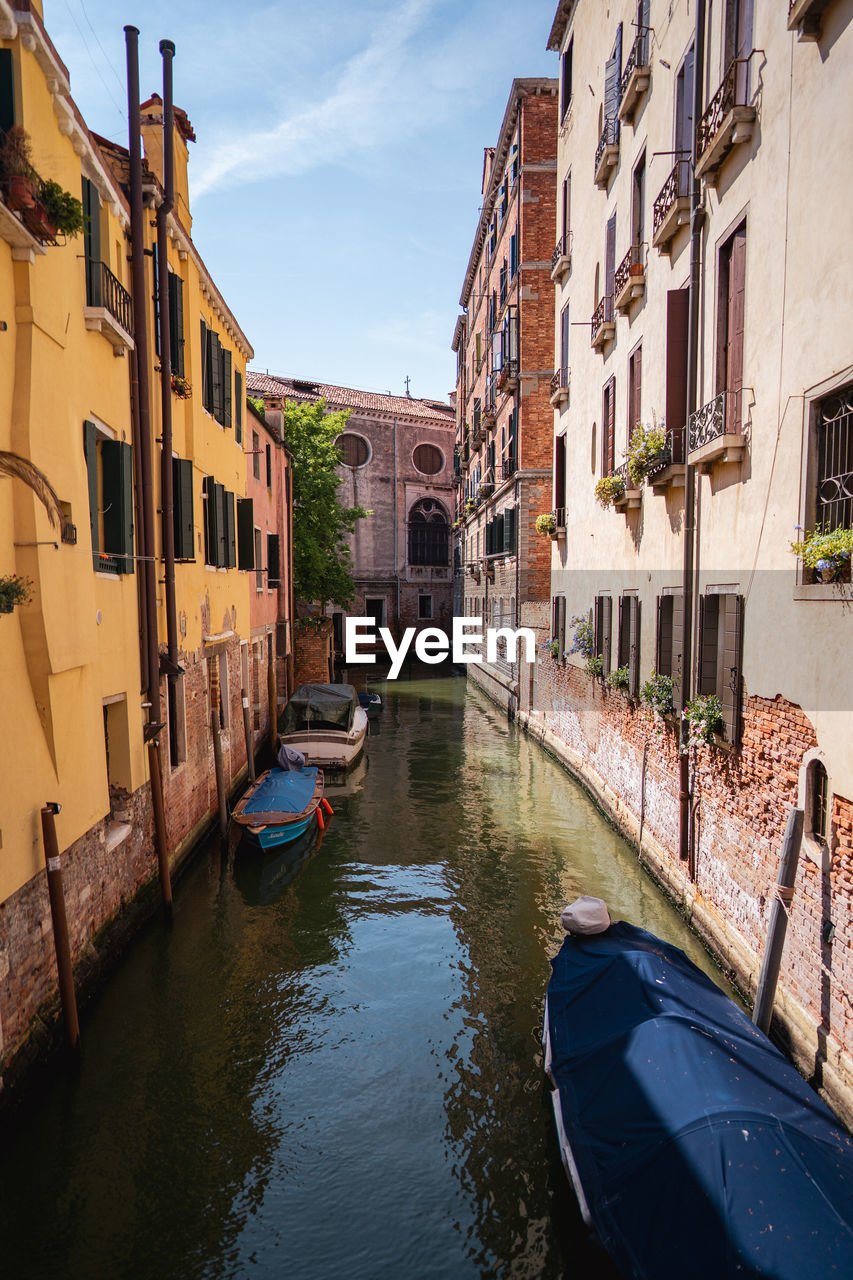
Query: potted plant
pixel 619 679
pixel 704 716
pixel 594 666
pixel 181 387
pixel 826 552
pixel 64 211
pixel 546 524
pixel 647 450
pixel 14 590
pixel 609 490
pixel 657 695
pixel 470 505
pixel 553 646
pixel 20 177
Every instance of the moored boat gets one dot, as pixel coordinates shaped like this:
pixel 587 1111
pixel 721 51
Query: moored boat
pixel 371 703
pixel 280 806
pixel 695 1148
pixel 325 723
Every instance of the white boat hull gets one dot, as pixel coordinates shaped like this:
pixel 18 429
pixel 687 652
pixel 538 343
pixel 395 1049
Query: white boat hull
pixel 330 748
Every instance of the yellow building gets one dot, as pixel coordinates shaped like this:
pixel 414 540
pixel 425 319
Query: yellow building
pixel 73 657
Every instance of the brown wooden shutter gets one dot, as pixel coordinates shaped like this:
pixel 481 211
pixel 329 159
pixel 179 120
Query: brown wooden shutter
pixel 561 625
pixel 731 661
pixel 635 378
pixel 634 648
pixel 560 473
pixel 608 428
pixel 677 651
pixel 709 630
pixel 606 632
pixel 621 633
pixel 272 560
pixel 663 636
pixel 734 370
pixel 245 533
pixel 216 365
pixel 226 387
pixel 677 311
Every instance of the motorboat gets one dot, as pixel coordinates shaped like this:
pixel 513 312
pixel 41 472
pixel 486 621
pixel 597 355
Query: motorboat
pixel 694 1147
pixel 371 703
pixel 325 723
pixel 280 806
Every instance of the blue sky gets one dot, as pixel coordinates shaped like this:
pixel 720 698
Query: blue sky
pixel 336 177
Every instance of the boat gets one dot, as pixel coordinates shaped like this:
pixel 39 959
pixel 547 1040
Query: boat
pixel 371 703
pixel 694 1147
pixel 325 723
pixel 280 806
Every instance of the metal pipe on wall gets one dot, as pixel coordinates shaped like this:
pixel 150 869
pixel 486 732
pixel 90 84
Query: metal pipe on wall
pixel 167 498
pixel 697 223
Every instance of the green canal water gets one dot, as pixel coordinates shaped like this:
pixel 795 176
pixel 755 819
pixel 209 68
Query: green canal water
pixel 329 1065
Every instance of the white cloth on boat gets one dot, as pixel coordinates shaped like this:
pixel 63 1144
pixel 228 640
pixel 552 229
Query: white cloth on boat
pixel 290 759
pixel 586 915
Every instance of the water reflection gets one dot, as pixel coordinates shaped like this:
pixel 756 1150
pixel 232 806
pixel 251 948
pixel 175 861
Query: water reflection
pixel 330 1065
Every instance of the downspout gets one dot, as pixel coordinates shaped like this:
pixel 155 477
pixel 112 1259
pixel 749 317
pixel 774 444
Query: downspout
pixel 140 334
pixel 167 50
pixel 697 222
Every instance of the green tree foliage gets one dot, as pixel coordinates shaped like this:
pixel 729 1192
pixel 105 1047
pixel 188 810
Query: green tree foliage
pixel 322 564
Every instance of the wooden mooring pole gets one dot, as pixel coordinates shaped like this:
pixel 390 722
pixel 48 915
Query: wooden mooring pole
pixel 247 730
pixel 67 996
pixel 778 922
pixel 217 746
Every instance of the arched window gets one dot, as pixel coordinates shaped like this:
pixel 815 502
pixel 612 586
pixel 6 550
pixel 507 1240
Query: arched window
pixel 817 794
pixel 429 541
pixel 428 459
pixel 354 450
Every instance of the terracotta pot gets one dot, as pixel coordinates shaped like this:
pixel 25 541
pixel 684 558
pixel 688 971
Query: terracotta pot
pixel 38 222
pixel 19 192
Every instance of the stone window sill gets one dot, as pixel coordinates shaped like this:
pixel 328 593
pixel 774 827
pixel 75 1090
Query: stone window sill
pixel 115 833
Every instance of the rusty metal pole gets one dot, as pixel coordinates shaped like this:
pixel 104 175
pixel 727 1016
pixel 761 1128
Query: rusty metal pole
pixel 777 925
pixel 67 996
pixel 247 730
pixel 217 746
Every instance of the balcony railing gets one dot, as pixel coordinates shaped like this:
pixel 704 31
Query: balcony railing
pixel 630 279
pixel 490 400
pixel 607 151
pixel 106 291
pixel 508 468
pixel 559 514
pixel 561 258
pixel 714 432
pixel 602 324
pixel 635 77
pixel 726 121
pixel 559 391
pixel 671 209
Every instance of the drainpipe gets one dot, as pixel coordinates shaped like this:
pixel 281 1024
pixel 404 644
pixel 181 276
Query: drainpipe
pixel 697 222
pixel 143 400
pixel 167 50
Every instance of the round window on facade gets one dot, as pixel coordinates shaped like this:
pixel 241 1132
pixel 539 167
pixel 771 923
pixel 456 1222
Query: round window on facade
pixel 354 450
pixel 428 459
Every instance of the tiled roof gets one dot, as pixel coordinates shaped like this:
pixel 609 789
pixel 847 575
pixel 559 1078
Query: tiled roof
pixel 267 384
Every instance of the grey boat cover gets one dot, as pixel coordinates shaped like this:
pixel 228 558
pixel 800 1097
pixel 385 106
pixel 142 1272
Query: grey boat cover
pixel 319 706
pixel 289 759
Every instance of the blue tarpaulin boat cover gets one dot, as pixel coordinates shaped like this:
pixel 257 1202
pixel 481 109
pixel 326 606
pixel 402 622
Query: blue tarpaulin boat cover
pixel 700 1149
pixel 283 792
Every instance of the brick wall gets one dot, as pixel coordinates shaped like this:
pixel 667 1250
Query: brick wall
pixel 312 650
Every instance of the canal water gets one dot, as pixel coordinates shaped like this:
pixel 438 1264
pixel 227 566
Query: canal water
pixel 329 1065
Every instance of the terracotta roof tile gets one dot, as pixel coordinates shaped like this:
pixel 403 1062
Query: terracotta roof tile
pixel 266 384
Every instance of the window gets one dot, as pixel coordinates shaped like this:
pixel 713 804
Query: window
pixel 220 533
pixel 635 380
pixel 684 131
pixel 719 655
pixel 628 641
pixel 560 478
pixel 730 322
pixel 269 465
pixel 374 607
pixel 424 606
pixel 566 79
pixel 176 323
pixel 273 570
pixel 565 329
pixel 638 206
pixel 831 463
pixel 612 80
pixel 428 458
pixel 670 639
pixel 245 534
pixel 354 450
pixel 513 255
pixel 817 794
pixel 259 572
pixel 117 744
pixel 608 428
pixel 566 210
pixel 110 475
pixel 238 406
pixel 92 243
pixel 602 625
pixel 7 90
pixel 256 455
pixel 215 376
pixel 677 305
pixel 558 623
pixel 429 541
pixel 182 508
pixel 609 267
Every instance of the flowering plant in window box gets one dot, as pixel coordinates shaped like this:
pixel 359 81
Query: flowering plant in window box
pixel 14 590
pixel 609 489
pixel 546 524
pixel 619 678
pixel 657 695
pixel 704 716
pixel 583 640
pixel 553 646
pixel 827 552
pixel 181 387
pixel 594 666
pixel 64 211
pixel 646 450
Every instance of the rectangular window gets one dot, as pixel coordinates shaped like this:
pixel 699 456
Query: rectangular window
pixel 730 324
pixel 176 323
pixel 683 127
pixel 719 657
pixel 218 523
pixel 256 455
pixel 638 206
pixel 670 640
pixel 109 471
pixel 560 478
pixel 830 466
pixel 182 509
pixel 207 367
pixel 230 532
pixel 7 90
pixel 509 528
pixel 677 302
pixel 513 255
pixel 92 243
pixel 272 561
pixel 269 465
pixel 609 267
pixel 565 329
pixel 259 570
pixel 628 643
pixel 238 406
pixel 635 380
pixel 602 626
pixel 245 534
pixel 424 606
pixel 374 607
pixel 226 387
pixel 566 210
pixel 558 623
pixel 612 78
pixel 608 428
pixel 566 79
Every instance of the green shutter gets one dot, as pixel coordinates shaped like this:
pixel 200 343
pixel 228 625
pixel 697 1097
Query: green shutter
pixel 92 243
pixel 226 387
pixel 216 370
pixel 155 294
pixel 238 406
pixel 230 532
pixel 90 453
pixel 204 365
pixel 7 90
pixel 245 534
pixel 176 323
pixel 634 647
pixel 272 559
pixel 116 460
pixel 182 483
pixel 211 527
pixel 220 551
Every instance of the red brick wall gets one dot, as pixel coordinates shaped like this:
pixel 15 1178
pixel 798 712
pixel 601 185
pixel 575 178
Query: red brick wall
pixel 312 650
